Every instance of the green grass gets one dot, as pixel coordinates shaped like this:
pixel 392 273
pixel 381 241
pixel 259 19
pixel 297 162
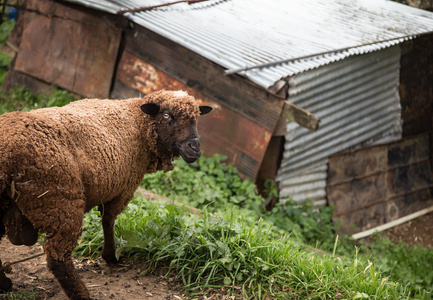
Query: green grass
pixel 25 100
pixel 5 29
pixel 5 59
pixel 411 266
pixel 225 251
pixel 27 295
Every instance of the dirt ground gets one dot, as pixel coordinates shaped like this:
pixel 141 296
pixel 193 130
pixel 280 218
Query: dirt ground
pixel 124 281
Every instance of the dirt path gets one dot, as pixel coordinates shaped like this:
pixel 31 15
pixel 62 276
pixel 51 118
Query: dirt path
pixel 122 281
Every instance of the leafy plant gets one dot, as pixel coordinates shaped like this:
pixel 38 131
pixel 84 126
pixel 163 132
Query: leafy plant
pixel 206 183
pixel 5 59
pixel 92 238
pixel 209 183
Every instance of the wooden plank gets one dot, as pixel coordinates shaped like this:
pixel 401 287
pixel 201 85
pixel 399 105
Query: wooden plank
pixel 385 212
pixel 301 116
pixel 409 151
pixel 379 184
pixel 72 48
pixel 358 193
pixel 122 91
pixel 270 163
pixel 354 164
pixel 223 131
pixel 243 96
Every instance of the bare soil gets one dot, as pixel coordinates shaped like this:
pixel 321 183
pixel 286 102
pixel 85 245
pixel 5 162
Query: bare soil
pixel 122 281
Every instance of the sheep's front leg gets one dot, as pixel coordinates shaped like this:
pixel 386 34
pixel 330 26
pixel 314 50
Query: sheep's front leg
pixel 109 212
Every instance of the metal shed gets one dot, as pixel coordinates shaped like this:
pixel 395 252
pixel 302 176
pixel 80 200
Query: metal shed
pixel 339 60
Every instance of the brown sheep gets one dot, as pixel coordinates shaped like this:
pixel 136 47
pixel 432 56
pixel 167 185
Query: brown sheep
pixel 58 163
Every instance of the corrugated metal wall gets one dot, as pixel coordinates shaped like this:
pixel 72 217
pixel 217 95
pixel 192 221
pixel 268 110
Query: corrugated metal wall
pixel 358 103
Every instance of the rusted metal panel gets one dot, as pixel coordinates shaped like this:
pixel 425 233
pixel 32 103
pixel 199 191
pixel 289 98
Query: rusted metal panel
pixel 376 185
pixel 140 75
pixel 224 131
pixel 69 48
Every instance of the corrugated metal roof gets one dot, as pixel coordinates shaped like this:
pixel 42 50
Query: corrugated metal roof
pixel 357 102
pixel 241 33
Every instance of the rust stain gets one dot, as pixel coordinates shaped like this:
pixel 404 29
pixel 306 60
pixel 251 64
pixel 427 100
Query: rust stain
pixel 146 79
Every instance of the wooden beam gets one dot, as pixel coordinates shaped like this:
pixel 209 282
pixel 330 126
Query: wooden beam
pixel 301 116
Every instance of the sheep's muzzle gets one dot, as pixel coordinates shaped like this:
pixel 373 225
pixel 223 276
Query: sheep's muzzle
pixel 189 150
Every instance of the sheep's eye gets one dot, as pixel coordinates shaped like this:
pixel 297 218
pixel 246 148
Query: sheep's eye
pixel 166 116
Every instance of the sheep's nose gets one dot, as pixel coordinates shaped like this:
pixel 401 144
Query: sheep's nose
pixel 194 144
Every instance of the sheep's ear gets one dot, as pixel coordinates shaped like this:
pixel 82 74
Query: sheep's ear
pixel 205 109
pixel 150 109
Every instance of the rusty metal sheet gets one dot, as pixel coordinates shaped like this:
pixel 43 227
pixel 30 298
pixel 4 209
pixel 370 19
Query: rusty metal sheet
pixel 379 184
pixel 71 48
pixel 223 131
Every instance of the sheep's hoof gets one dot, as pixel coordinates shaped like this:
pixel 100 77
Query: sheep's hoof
pixel 5 284
pixel 110 259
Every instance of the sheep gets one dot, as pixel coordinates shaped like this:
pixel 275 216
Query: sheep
pixel 58 163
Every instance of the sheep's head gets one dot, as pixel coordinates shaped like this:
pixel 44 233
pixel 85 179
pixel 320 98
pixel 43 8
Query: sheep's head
pixel 174 116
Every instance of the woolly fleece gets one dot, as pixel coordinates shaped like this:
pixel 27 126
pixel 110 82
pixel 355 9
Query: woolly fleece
pixel 57 163
pixel 64 161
